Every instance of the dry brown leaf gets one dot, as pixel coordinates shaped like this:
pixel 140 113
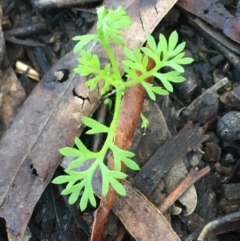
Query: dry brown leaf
pixel 214 13
pixel 12 96
pixel 142 219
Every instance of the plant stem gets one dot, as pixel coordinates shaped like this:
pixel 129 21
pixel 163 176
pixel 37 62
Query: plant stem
pixel 118 99
pixel 112 59
pixel 142 77
pixel 113 126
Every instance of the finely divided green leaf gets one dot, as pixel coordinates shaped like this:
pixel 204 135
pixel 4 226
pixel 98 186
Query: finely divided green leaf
pixel 173 39
pixel 148 88
pixel 164 81
pixel 164 54
pixel 129 54
pixel 88 194
pixel 95 126
pixel 159 91
pixel 119 188
pixel 175 66
pixel 145 121
pixel 163 43
pixel 105 185
pixel 84 199
pixel 77 162
pixel 116 174
pixel 69 151
pixel 131 164
pixel 185 61
pixel 152 43
pixel 117 39
pixel 133 65
pixel 151 54
pixel 62 179
pixel 121 156
pixel 83 40
pixel 76 192
pixel 178 79
pixel 109 23
pixel 81 146
pixel 73 198
pixel 177 50
pixel 92 82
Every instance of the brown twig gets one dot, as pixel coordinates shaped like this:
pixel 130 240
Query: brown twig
pixel 130 110
pixel 186 183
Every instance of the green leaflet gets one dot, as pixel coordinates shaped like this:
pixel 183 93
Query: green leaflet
pixel 83 40
pixel 123 156
pixel 95 126
pixel 145 122
pixel 69 151
pixel 110 22
pixel 165 53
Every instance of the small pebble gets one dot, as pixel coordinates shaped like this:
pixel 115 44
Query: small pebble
pixel 228 127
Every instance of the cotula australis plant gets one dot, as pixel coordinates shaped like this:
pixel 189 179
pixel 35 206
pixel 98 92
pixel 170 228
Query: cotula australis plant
pixel 165 53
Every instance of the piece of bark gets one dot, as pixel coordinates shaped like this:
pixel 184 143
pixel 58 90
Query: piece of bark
pixel 26 30
pixel 174 149
pixel 231 191
pixel 156 135
pixel 231 29
pixel 41 58
pixel 12 97
pixel 185 90
pixel 143 219
pixel 207 201
pixel 204 30
pixel 214 13
pixel 42 4
pixel 231 99
pixel 12 94
pixel 229 206
pixel 199 108
pixel 50 119
pixel 218 36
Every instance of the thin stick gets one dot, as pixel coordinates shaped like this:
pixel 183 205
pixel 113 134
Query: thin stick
pixel 185 184
pixel 130 111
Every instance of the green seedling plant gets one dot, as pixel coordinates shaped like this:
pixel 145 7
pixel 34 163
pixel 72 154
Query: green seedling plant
pixel 145 123
pixel 165 53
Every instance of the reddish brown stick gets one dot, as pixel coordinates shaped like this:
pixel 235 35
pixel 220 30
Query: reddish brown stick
pixel 186 183
pixel 130 110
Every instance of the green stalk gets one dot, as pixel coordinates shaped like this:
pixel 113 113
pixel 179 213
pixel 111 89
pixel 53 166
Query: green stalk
pixel 112 59
pixel 118 99
pixel 113 126
pixel 142 77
